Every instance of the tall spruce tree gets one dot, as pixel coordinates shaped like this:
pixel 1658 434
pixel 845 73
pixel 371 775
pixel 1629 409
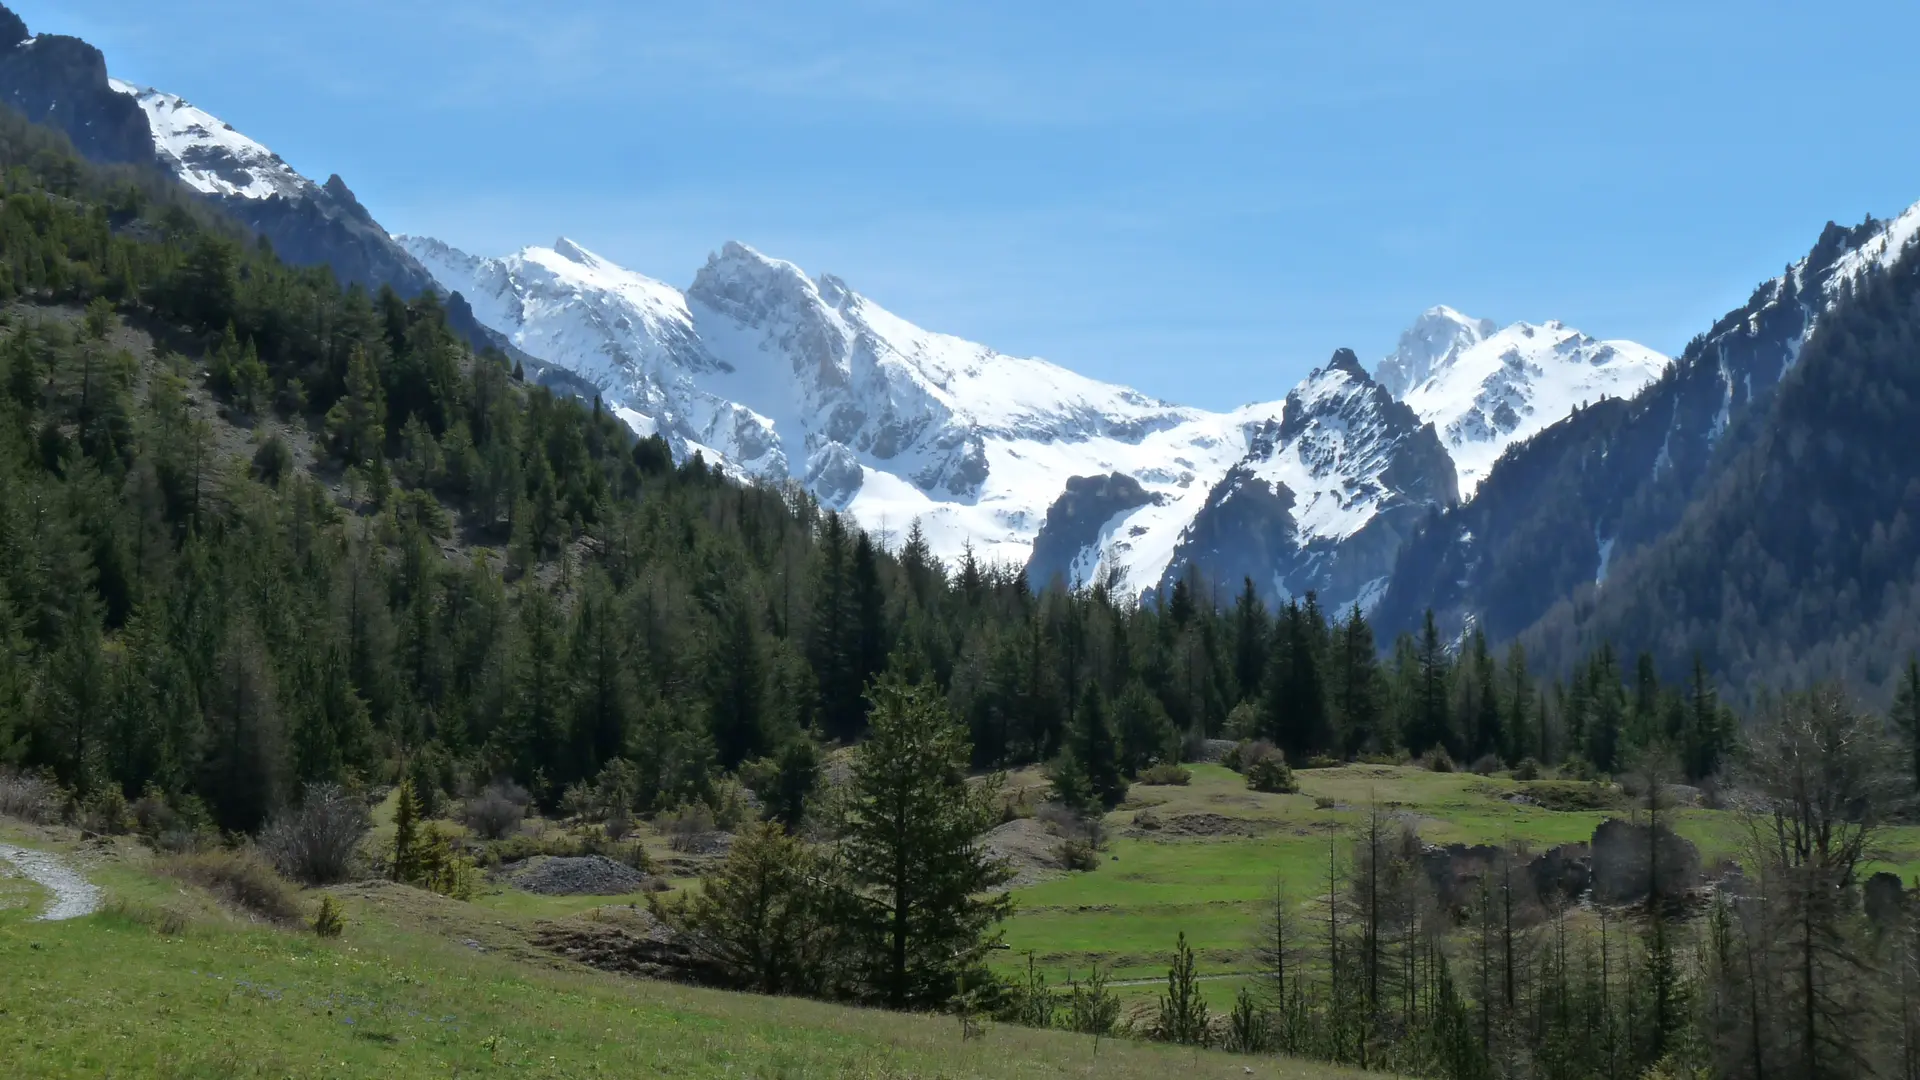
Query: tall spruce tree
pixel 1429 724
pixel 1250 630
pixel 1096 751
pixel 1355 685
pixel 910 841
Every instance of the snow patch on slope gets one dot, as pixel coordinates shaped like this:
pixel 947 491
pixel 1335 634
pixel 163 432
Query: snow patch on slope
pixel 207 154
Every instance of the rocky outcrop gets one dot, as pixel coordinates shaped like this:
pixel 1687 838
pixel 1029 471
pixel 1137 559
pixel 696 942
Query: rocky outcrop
pixel 61 82
pixel 1632 862
pixel 1074 525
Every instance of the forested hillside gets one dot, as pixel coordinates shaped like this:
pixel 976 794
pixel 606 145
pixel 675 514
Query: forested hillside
pixel 1799 559
pixel 1598 529
pixel 261 532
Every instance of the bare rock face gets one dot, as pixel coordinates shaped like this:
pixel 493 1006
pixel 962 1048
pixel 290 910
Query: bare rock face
pixel 62 82
pixel 1562 874
pixel 1630 860
pixel 1075 521
pixel 1456 871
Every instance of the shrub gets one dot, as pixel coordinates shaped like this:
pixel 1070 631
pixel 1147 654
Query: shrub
pixel 319 843
pixel 1243 721
pixel 1528 769
pixel 106 813
pixel 687 827
pixel 1166 773
pixel 440 866
pixel 1236 758
pixel 330 920
pixel 1322 761
pixel 1485 765
pixel 1146 819
pixel 1437 760
pixel 272 460
pixel 240 877
pixel 1574 795
pixel 28 798
pixel 1269 773
pixel 496 813
pixel 1265 767
pixel 1077 854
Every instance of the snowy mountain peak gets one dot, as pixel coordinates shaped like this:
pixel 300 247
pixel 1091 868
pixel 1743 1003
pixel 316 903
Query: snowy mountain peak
pixel 207 154
pixel 1505 386
pixel 1434 339
pixel 573 252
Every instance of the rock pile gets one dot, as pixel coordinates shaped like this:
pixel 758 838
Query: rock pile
pixel 588 875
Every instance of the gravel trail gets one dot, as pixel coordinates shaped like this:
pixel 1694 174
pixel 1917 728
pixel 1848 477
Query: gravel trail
pixel 73 896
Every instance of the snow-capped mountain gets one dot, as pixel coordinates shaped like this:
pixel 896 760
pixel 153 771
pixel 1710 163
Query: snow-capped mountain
pixel 789 377
pixel 1324 496
pixel 1436 337
pixel 783 376
pixel 1488 391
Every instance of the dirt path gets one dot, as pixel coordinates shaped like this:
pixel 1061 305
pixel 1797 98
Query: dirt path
pixel 73 896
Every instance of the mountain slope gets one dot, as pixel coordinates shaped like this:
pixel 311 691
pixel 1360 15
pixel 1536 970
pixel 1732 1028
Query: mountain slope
pixel 63 82
pixel 1557 515
pixel 1798 556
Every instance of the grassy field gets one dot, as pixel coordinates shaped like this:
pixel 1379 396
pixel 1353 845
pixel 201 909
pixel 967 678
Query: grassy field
pixel 165 984
pixel 1127 914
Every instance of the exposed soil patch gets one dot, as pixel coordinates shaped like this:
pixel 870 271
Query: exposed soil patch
pixel 636 945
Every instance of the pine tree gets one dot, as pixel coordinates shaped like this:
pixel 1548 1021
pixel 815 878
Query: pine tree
pixel 763 916
pixel 1607 719
pixel 406 839
pixel 1145 732
pixel 1487 724
pixel 75 705
pixel 1183 1008
pixel 1095 750
pixel 356 422
pixel 1906 713
pixel 1250 627
pixel 1429 723
pixel 736 684
pixel 1527 737
pixel 910 841
pixel 1294 709
pixel 1356 686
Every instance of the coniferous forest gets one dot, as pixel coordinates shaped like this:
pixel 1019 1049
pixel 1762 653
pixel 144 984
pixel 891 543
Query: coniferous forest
pixel 263 539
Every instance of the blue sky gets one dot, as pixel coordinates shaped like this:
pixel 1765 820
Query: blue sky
pixel 1199 199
